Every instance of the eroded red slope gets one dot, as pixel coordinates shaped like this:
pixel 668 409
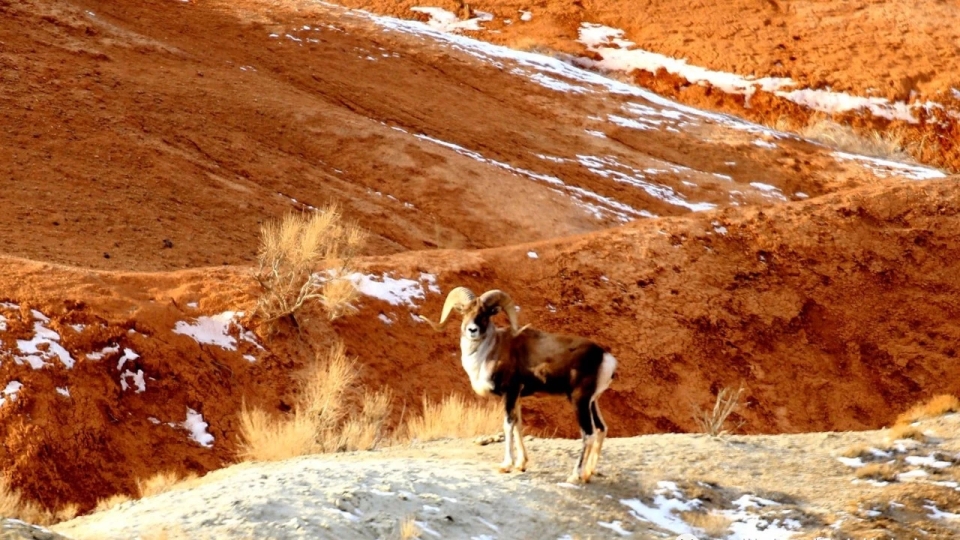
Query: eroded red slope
pixel 834 314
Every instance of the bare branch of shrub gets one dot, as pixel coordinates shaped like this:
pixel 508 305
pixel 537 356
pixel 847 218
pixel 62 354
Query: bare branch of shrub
pixel 712 421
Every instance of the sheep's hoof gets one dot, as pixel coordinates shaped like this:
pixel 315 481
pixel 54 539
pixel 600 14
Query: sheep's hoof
pixel 520 466
pixel 585 477
pixel 505 467
pixel 573 479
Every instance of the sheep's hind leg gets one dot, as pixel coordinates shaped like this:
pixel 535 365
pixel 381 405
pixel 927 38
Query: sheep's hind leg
pixel 608 365
pixel 585 418
pixel 509 431
pixel 520 463
pixel 598 442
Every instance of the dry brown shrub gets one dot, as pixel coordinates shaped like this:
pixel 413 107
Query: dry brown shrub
pixel 292 250
pixel 932 408
pixel 327 417
pixel 888 144
pixel 712 421
pixel 883 472
pixel 712 524
pixel 455 417
pixel 906 432
pixel 162 482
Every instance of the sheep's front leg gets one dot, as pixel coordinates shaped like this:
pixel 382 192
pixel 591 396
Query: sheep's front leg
pixel 509 434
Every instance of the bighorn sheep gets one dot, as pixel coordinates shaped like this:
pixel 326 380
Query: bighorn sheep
pixel 518 362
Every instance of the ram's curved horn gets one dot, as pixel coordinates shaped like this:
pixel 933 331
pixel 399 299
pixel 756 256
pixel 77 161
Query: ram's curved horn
pixel 457 299
pixel 497 297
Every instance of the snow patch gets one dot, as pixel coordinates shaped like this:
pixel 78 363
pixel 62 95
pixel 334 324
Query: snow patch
pixel 98 355
pixel 936 513
pixel 547 81
pixel 10 392
pixel 447 21
pixel 667 503
pixel 394 291
pixel 607 206
pixel 851 462
pixel 619 54
pixel 533 255
pixel 197 428
pixel 213 330
pixel 927 461
pixel 63 391
pixel 128 354
pixel 916 473
pixel 43 346
pixel 137 380
pixel 610 167
pixel 615 526
pixel 884 168
pixel 764 144
pixel 769 191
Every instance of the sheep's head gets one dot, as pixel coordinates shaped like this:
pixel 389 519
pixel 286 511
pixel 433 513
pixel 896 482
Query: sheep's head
pixel 477 311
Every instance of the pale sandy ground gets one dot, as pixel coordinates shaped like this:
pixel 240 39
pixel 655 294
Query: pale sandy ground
pixel 767 486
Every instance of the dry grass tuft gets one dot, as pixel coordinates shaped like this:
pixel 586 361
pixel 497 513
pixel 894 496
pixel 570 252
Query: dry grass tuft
pixel 936 406
pixel 162 483
pixel 906 432
pixel 712 421
pixel 264 437
pixel 292 249
pixel 857 450
pixel 882 472
pixel 712 524
pixel 367 430
pixel 408 529
pixel 455 417
pixel 66 513
pixel 13 505
pixel 110 502
pixel 887 144
pixel 326 418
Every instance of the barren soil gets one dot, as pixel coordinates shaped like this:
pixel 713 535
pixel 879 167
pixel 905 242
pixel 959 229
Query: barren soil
pixel 143 143
pixel 764 486
pixel 904 52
